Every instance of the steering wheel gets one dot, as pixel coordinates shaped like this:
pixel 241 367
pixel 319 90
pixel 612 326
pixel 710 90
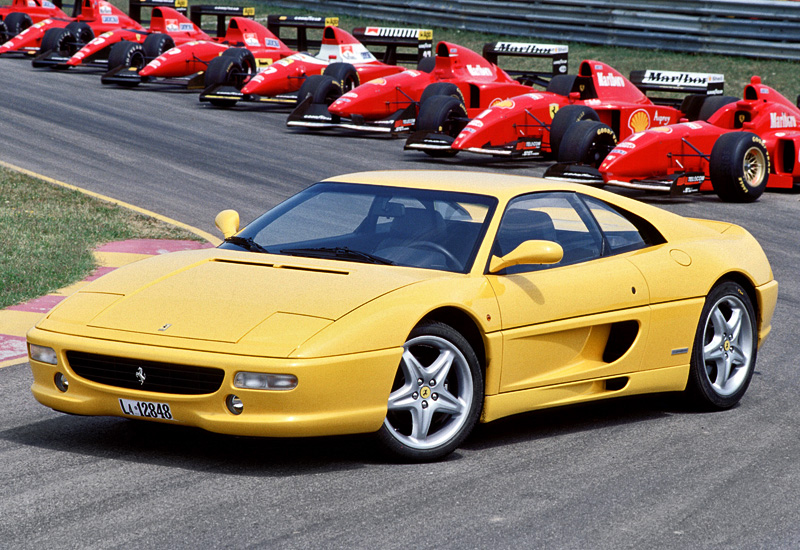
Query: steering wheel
pixel 455 263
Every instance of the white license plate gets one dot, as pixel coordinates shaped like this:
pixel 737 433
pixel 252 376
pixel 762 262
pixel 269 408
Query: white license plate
pixel 146 409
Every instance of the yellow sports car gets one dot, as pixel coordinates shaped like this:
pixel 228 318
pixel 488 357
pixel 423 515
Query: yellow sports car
pixel 413 304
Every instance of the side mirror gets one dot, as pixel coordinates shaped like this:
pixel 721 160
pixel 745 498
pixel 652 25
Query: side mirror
pixel 227 221
pixel 529 252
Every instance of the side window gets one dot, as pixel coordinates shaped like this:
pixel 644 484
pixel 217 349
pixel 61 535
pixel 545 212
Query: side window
pixel 559 217
pixel 623 231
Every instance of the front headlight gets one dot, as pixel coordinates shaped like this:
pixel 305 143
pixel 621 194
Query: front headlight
pixel 42 354
pixel 263 381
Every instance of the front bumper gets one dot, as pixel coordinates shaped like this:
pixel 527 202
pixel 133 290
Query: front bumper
pixel 335 395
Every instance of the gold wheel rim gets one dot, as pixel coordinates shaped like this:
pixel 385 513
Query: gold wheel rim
pixel 754 166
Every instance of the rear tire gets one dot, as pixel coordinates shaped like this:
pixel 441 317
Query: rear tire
pixel 587 142
pixel 441 89
pixel 739 167
pixel 714 103
pixel 563 119
pixel 426 64
pixel 345 74
pixel 82 32
pixel 428 420
pixel 15 23
pixel 442 115
pixel 725 348
pixel 156 44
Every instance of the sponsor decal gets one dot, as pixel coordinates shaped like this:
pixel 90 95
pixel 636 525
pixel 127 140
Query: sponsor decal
pixel 502 103
pixel 782 120
pixel 186 27
pixel 111 19
pixel 534 96
pixel 692 125
pixel 175 51
pixel 639 121
pixel 553 109
pixel 156 63
pixel 661 119
pixel 593 102
pixel 366 55
pixel 453 51
pixel 468 129
pixel 477 70
pixel 695 179
pixel 619 152
pixel 171 25
pixel 764 90
pixel 626 145
pixel 105 10
pixel 47 4
pixel 398 33
pixel 412 74
pixel 378 82
pixel 351 95
pixel 251 39
pixel 531 49
pixel 272 43
pixel 674 78
pixel 662 129
pixel 476 123
pixel 610 81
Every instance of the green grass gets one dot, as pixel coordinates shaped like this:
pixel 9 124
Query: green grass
pixel 49 233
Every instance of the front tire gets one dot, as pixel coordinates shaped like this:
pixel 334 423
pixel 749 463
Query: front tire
pixel 739 167
pixel 442 114
pixel 345 74
pixel 126 54
pixel 587 143
pixel 725 348
pixel 15 23
pixel 322 88
pixel 436 398
pixel 156 44
pixel 233 68
pixel 564 118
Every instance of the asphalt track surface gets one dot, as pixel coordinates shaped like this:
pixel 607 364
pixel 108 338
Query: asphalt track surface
pixel 635 473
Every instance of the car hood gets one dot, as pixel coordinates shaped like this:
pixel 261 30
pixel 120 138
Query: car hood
pixel 227 296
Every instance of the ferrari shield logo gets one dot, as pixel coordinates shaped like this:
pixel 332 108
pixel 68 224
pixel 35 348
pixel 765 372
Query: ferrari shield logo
pixel 553 110
pixel 741 118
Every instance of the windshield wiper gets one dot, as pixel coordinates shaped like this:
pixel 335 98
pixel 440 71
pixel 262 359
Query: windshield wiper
pixel 338 253
pixel 247 243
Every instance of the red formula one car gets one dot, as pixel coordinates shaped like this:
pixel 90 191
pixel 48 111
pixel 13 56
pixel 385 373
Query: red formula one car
pixel 95 17
pixel 168 26
pixel 246 43
pixel 464 81
pixel 21 14
pixel 745 146
pixel 342 55
pixel 534 125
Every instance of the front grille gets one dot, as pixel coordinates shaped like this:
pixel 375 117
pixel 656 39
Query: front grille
pixel 122 372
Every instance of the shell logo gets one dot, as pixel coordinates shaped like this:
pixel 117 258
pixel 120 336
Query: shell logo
pixel 639 121
pixel 502 103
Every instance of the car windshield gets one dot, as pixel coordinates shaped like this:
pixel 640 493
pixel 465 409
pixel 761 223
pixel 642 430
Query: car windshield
pixel 373 224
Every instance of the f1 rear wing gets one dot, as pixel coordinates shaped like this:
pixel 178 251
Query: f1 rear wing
pixel 678 81
pixel 302 23
pixel 419 41
pixel 135 6
pixel 222 13
pixel 558 53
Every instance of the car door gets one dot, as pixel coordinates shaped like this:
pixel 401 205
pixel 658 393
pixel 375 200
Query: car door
pixel 586 316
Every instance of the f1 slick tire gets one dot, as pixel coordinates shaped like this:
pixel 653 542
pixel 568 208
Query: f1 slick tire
pixel 436 397
pixel 714 103
pixel 127 54
pixel 739 167
pixel 426 64
pixel 322 88
pixel 233 68
pixel 564 118
pixel 15 23
pixel 4 37
pixel 442 114
pixel 725 348
pixel 587 142
pixel 345 73
pixel 82 32
pixel 447 89
pixel 157 43
pixel 59 40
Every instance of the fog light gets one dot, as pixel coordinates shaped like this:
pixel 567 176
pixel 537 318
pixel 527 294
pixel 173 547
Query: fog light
pixel 42 354
pixel 262 381
pixel 61 382
pixel 234 404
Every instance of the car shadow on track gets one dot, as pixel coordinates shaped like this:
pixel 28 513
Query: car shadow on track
pixel 195 449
